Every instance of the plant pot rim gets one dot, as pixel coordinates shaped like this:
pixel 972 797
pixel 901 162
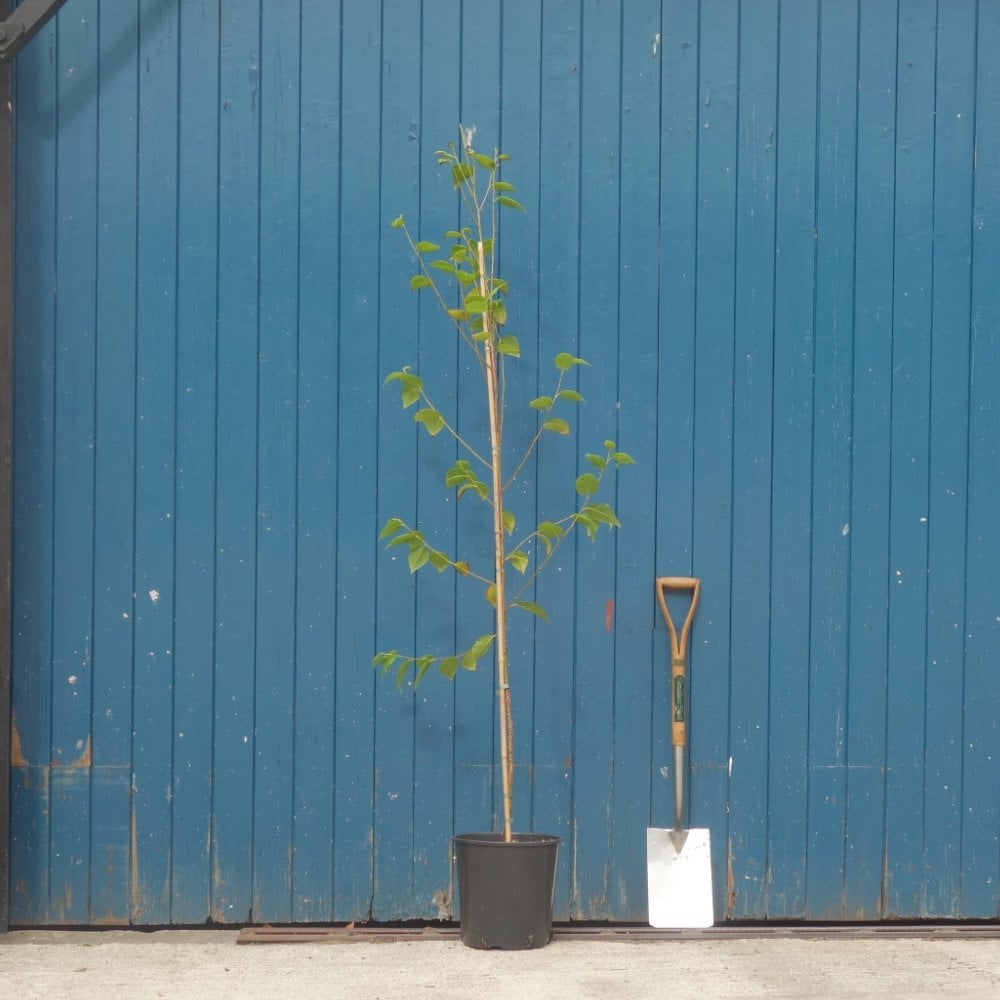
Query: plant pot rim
pixel 496 839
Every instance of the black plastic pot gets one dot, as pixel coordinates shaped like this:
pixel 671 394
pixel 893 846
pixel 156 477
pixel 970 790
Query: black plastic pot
pixel 505 890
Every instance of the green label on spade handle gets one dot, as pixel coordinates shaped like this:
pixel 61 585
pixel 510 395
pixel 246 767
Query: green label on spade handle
pixel 679 699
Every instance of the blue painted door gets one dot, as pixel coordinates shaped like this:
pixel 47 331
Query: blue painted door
pixel 773 230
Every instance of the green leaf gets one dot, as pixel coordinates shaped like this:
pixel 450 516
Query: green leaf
pixel 423 664
pixel 503 186
pixel 443 265
pixel 509 202
pixel 484 161
pixel 519 560
pixel 459 473
pixel 398 222
pixel 459 253
pixel 621 458
pixel 508 522
pixel 460 173
pixel 411 386
pixel 597 461
pixel 610 445
pixel 475 302
pixel 549 529
pixel 542 403
pixel 571 394
pixel 564 361
pixel 419 281
pixel 509 344
pixel 491 594
pixel 449 667
pixel 531 607
pixel 480 489
pixel 499 313
pixel 431 419
pixel 401 672
pixel 461 568
pixel 465 279
pixel 603 514
pixel 410 393
pixel 587 484
pixel 385 660
pixel 589 524
pixel 471 656
pixel 556 424
pixel 439 561
pixel 419 555
pixel 391 527
pixel 404 539
pixel 425 246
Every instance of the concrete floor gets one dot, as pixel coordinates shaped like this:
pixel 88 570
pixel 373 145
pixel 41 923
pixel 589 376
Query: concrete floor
pixel 129 965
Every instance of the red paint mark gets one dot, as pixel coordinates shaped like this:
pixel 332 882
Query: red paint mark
pixel 609 614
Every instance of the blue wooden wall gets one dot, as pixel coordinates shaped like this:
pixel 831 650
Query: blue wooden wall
pixel 774 230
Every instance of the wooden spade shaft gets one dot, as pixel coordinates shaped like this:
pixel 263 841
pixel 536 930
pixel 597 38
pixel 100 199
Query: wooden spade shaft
pixel 678 679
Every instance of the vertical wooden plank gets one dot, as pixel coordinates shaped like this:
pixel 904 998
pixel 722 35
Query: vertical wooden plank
pixel 114 471
pixel 675 442
pixel 516 133
pixel 358 386
pixel 277 459
pixel 6 457
pixel 906 746
pixel 795 228
pixel 596 420
pixel 436 791
pixel 746 848
pixel 194 599
pixel 558 328
pixel 73 487
pixel 980 848
pixel 319 168
pixel 635 495
pixel 153 654
pixel 34 363
pixel 476 783
pixel 236 462
pixel 835 182
pixel 478 795
pixel 401 453
pixel 709 675
pixel 869 518
pixel 948 459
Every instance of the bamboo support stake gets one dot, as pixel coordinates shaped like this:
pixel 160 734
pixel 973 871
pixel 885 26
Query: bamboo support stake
pixel 500 565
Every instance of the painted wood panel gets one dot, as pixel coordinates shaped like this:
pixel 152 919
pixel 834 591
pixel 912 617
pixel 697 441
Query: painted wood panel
pixel 771 227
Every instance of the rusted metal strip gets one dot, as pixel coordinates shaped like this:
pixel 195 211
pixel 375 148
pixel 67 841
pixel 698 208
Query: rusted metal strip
pixel 371 934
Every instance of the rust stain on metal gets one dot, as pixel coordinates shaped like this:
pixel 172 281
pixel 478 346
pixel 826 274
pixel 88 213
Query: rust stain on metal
pixel 16 752
pixel 135 890
pixel 730 883
pixel 609 614
pixel 86 757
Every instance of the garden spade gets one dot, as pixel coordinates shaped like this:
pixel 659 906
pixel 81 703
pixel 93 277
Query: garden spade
pixel 679 861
